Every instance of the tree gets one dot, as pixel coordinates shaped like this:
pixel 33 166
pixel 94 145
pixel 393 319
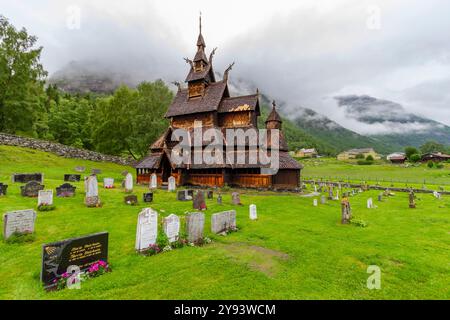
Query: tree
pixel 21 79
pixel 415 157
pixel 432 146
pixel 369 158
pixel 409 151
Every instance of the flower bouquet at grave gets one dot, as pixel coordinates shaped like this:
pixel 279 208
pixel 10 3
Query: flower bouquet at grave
pixel 96 269
pixel 45 207
pixel 152 250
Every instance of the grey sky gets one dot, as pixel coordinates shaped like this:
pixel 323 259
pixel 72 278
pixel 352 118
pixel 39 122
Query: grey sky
pixel 302 52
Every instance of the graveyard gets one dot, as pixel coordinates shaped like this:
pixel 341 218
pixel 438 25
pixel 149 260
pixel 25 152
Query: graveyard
pixel 293 250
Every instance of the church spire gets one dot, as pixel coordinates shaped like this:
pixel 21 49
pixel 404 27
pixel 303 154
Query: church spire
pixel 200 55
pixel 273 120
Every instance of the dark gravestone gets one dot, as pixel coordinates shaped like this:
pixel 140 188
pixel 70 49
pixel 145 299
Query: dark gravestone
pixel 96 171
pixel 210 194
pixel 131 199
pixel 219 199
pixel 72 177
pixel 27 177
pixel 183 195
pixel 3 189
pixel 199 201
pixel 81 252
pixel 148 197
pixel 65 190
pixel 31 189
pixel 190 193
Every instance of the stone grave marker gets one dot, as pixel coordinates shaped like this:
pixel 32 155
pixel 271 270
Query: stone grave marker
pixel 195 223
pixel 199 201
pixel 171 225
pixel 323 200
pixel 172 184
pixel 147 229
pixel 252 212
pixel 65 190
pixel 128 183
pixel 219 199
pixel 80 169
pixel 148 197
pixel 131 200
pixel 72 177
pixel 412 201
pixel 369 203
pixel 380 197
pixel 3 189
pixel 337 195
pixel 183 195
pixel 315 202
pixel 31 189
pixel 330 192
pixel 346 211
pixel 28 177
pixel 223 221
pixel 108 183
pixel 81 252
pixel 437 195
pixel 96 171
pixel 45 197
pixel 210 194
pixel 153 181
pixel 236 198
pixel 91 186
pixel 21 222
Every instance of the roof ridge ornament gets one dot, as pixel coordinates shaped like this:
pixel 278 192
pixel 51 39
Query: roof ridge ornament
pixel 177 84
pixel 189 61
pixel 211 55
pixel 225 74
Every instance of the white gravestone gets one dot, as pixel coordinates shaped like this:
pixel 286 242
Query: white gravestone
pixel 108 183
pixel 153 181
pixel 147 229
pixel 21 221
pixel 315 188
pixel 91 186
pixel 337 195
pixel 253 213
pixel 436 194
pixel 223 221
pixel 172 227
pixel 128 182
pixel 45 197
pixel 369 203
pixel 172 185
pixel 315 202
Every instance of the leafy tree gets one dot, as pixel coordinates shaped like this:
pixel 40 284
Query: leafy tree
pixel 370 158
pixel 415 157
pixel 21 80
pixel 430 164
pixel 409 151
pixel 432 146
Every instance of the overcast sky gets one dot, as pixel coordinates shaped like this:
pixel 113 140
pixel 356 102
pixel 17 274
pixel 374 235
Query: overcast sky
pixel 302 52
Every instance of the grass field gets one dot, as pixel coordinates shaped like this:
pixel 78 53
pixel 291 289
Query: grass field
pixel 382 172
pixel 293 250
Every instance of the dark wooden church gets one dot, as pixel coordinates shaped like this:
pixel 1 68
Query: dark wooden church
pixel 206 102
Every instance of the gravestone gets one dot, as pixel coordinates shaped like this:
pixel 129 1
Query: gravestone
pixel 252 212
pixel 72 177
pixel 81 252
pixel 91 186
pixel 31 189
pixel 108 183
pixel 412 202
pixel 223 221
pixel 219 199
pixel 27 177
pixel 380 197
pixel 315 188
pixel 323 200
pixel 199 201
pixel 236 198
pixel 337 195
pixel 315 202
pixel 210 194
pixel 183 195
pixel 147 229
pixel 171 225
pixel 346 211
pixel 3 189
pixel 195 223
pixel 172 185
pixel 45 198
pixel 96 171
pixel 148 197
pixel 80 169
pixel 128 183
pixel 65 190
pixel 330 192
pixel 131 199
pixel 437 195
pixel 153 181
pixel 20 222
pixel 369 203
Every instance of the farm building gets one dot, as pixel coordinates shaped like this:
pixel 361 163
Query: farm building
pixel 435 156
pixel 396 157
pixel 206 103
pixel 354 153
pixel 306 153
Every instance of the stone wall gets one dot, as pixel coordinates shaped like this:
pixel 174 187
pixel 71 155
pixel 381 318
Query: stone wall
pixel 60 149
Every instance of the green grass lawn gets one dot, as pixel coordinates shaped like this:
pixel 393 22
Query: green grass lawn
pixel 380 171
pixel 293 251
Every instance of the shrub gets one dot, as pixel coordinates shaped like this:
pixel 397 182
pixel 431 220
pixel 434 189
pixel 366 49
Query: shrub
pixel 18 237
pixel 45 207
pixel 439 165
pixel 430 164
pixel 415 157
pixel 369 158
pixel 359 223
pixel 364 162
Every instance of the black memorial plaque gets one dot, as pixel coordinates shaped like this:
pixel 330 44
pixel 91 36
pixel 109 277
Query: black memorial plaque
pixel 72 177
pixel 148 197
